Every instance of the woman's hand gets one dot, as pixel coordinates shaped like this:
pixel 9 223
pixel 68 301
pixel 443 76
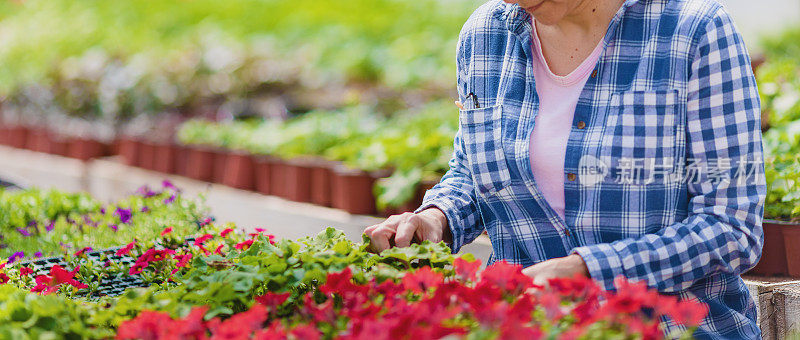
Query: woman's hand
pixel 400 230
pixel 568 266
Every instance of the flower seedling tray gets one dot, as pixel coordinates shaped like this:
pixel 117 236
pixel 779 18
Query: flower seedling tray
pixel 111 286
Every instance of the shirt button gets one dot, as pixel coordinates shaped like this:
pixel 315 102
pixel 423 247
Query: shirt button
pixel 594 74
pixel 571 177
pixel 581 125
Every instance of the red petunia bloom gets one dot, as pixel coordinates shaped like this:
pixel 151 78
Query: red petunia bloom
pixel 151 255
pixel 244 244
pixel 4 278
pixel 422 280
pixel 50 283
pixel 218 251
pixel 126 249
pixel 273 300
pixel 25 271
pixel 166 231
pixel 242 325
pixel 466 270
pixel 225 232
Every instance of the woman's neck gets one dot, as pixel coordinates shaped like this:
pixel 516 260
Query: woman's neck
pixel 588 18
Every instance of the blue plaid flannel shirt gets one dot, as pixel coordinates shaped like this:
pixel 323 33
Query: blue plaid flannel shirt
pixel 673 92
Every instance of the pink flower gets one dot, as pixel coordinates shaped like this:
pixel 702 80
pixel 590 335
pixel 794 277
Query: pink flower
pixel 4 278
pixel 218 251
pixel 202 239
pixel 126 249
pixel 225 232
pixel 80 253
pixel 50 283
pixel 183 260
pixel 244 244
pixel 166 231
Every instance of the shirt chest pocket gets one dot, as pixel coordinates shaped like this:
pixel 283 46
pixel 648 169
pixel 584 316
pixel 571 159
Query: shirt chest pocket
pixel 641 134
pixel 481 133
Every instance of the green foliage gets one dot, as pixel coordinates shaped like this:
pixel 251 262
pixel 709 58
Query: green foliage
pixel 29 316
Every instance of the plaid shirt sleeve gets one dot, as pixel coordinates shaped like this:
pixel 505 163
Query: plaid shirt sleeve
pixel 722 233
pixel 454 195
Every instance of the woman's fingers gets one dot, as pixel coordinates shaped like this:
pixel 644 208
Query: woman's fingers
pixel 409 223
pixel 459 105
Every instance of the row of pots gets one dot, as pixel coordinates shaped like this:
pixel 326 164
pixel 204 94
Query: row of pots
pixel 43 140
pixel 781 253
pixel 309 180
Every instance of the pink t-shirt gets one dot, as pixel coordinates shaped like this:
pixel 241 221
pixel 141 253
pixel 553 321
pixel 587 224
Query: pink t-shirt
pixel 558 97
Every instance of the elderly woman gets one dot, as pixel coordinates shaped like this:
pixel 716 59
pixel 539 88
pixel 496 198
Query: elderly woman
pixel 607 138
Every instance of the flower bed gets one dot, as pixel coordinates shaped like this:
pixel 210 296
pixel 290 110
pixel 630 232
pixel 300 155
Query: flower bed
pixel 195 279
pixel 38 224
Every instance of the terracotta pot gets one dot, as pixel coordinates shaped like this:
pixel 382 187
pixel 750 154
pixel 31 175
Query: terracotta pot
pixel 297 180
pixel 85 148
pixel 147 155
pixel 276 177
pixel 163 157
pixel 59 145
pixel 321 183
pixel 38 140
pixel 200 163
pixel 773 255
pixel 181 159
pixel 129 151
pixel 352 191
pixel 262 173
pixel 791 242
pixel 17 136
pixel 4 135
pixel 220 162
pixel 239 171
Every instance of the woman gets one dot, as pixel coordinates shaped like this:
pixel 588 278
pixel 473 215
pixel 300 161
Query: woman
pixel 607 138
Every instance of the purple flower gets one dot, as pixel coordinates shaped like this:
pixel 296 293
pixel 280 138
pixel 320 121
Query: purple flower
pixel 32 224
pixel 145 209
pixel 24 232
pixel 113 227
pixel 168 185
pixel 50 226
pixel 170 199
pixel 103 210
pixel 124 215
pixel 16 256
pixel 38 254
pixel 146 192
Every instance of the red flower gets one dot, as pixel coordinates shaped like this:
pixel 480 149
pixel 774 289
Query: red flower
pixel 465 269
pixel 80 253
pixel 49 283
pixel 507 277
pixel 218 251
pixel 689 313
pixel 244 244
pixel 242 325
pixel 306 332
pixel 422 280
pixel 272 300
pixel 126 249
pixel 225 232
pixel 166 231
pixel 4 278
pixel 25 271
pixel 147 325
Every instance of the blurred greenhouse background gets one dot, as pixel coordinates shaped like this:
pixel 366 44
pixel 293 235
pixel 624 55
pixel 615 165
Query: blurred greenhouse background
pixel 365 86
